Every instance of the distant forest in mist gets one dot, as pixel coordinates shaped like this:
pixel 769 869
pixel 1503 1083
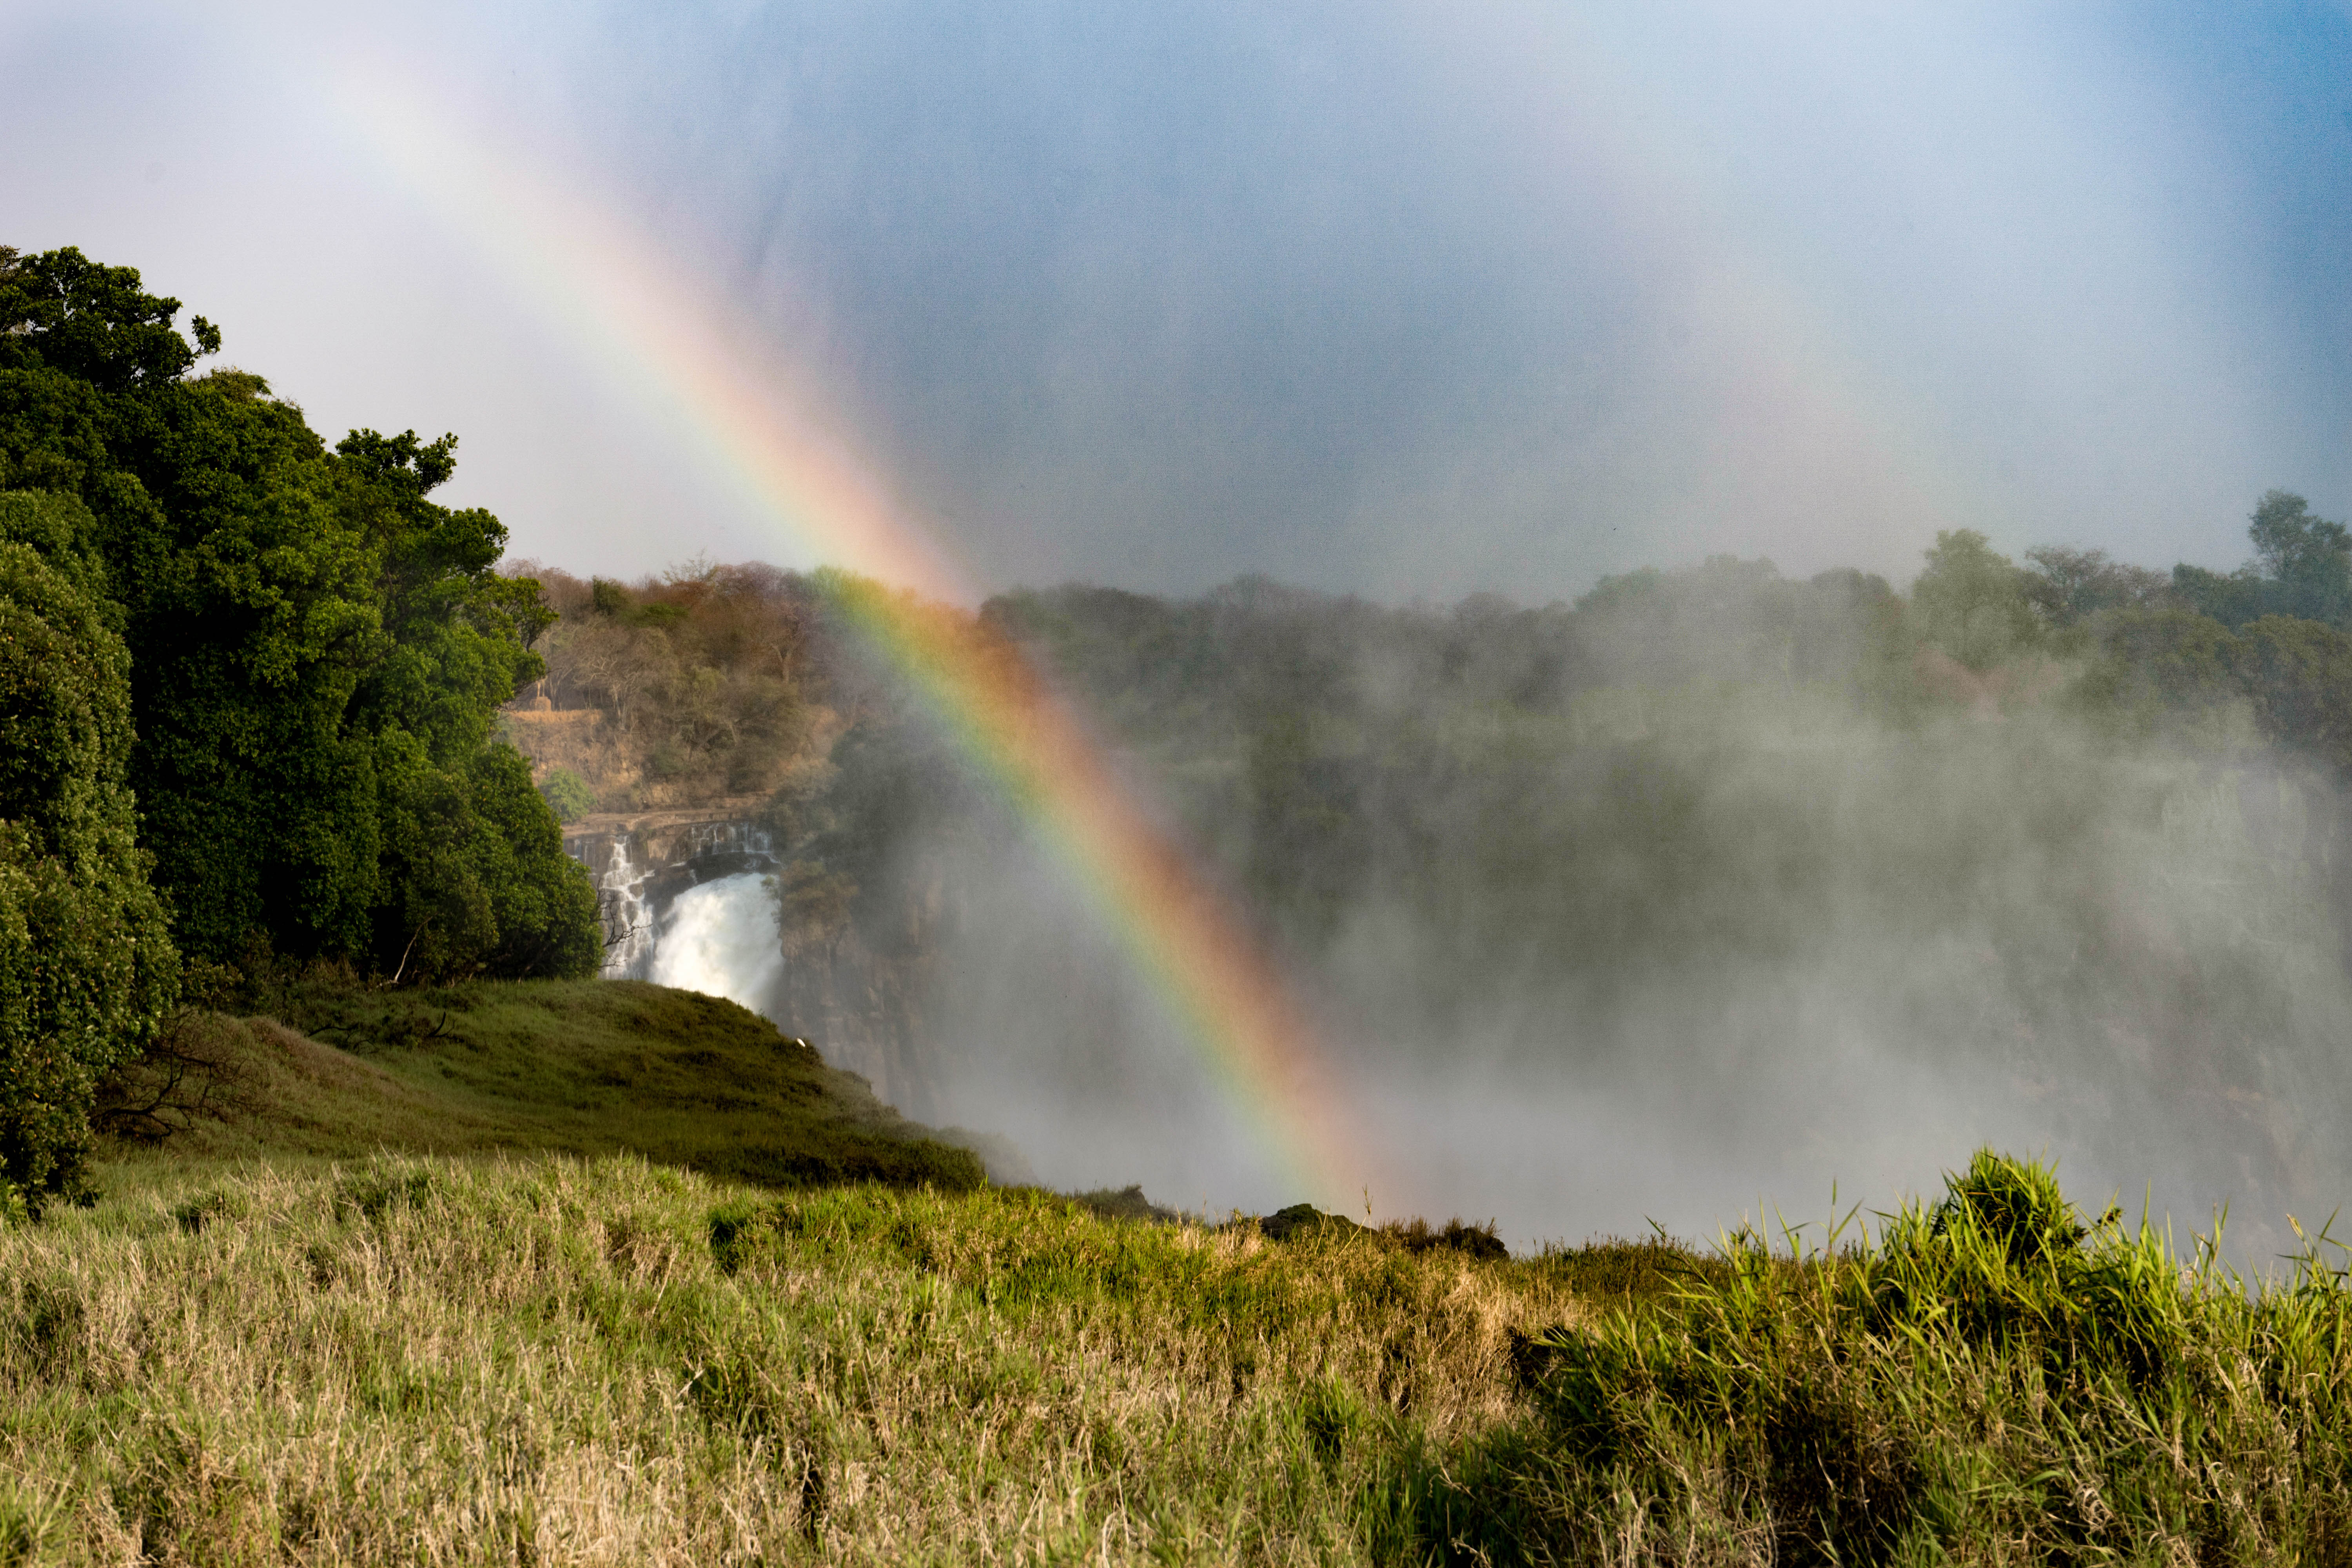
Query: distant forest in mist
pixel 1709 872
pixel 2054 848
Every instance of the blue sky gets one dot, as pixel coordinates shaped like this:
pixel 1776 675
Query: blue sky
pixel 1410 302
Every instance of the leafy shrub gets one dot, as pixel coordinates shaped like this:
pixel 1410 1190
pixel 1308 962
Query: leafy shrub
pixel 568 794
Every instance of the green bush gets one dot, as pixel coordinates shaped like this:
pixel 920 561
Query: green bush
pixel 567 795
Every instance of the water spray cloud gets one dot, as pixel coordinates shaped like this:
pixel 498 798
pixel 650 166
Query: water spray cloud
pixel 697 361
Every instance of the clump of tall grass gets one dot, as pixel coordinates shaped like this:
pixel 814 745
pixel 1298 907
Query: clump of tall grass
pixel 1986 1376
pixel 1458 1235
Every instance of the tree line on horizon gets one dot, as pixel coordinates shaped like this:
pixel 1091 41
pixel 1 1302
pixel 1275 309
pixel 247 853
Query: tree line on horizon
pixel 722 682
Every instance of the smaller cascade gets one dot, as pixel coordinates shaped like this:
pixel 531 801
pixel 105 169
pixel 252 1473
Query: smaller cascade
pixel 621 903
pixel 642 867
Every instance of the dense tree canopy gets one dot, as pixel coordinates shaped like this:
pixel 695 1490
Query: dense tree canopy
pixel 86 969
pixel 1970 602
pixel 2066 586
pixel 316 649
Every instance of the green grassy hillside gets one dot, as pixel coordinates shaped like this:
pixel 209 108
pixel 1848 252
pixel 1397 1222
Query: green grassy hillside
pixel 604 1273
pixel 537 1358
pixel 533 1359
pixel 579 1067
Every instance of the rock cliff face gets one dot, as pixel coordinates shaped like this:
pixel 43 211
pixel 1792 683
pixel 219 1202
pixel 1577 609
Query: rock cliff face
pixel 870 1013
pixel 862 990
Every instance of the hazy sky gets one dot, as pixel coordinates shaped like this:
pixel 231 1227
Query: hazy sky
pixel 1405 301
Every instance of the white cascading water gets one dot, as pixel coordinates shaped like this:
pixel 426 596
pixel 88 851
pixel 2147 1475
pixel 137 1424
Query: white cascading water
pixel 625 877
pixel 722 939
pixel 621 898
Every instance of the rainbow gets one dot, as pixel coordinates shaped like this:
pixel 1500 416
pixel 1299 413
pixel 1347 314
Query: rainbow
pixel 682 348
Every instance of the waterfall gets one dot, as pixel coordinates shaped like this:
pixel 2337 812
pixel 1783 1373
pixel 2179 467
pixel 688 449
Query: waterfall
pixel 649 870
pixel 686 900
pixel 720 939
pixel 621 901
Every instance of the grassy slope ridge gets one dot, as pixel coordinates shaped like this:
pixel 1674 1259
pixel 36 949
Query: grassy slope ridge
pixel 533 1359
pixel 581 1067
pixel 283 1340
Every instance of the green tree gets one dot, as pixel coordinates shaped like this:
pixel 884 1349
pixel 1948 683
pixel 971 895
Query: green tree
pixel 2067 586
pixel 473 873
pixel 2298 674
pixel 474 879
pixel 567 795
pixel 2301 568
pixel 254 620
pixel 318 649
pixel 65 312
pixel 87 967
pixel 1971 601
pixel 2309 559
pixel 2231 599
pixel 62 532
pixel 2156 669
